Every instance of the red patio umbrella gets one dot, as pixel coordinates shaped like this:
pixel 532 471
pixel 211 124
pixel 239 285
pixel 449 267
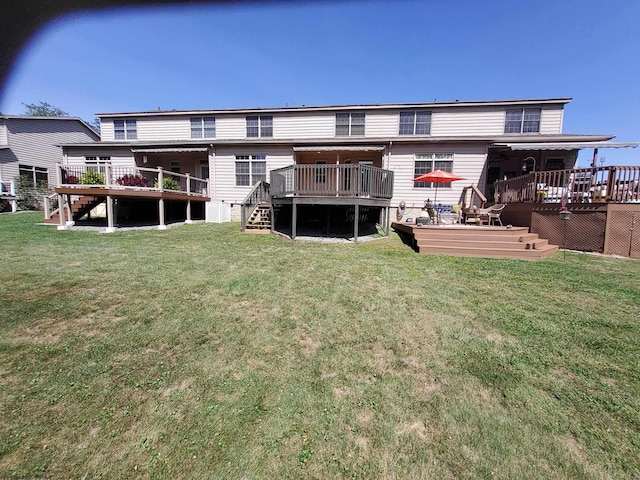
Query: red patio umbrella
pixel 437 176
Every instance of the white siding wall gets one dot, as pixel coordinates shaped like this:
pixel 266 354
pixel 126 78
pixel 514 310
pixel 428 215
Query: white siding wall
pixel 551 119
pixel 467 121
pixel 223 170
pixel 106 130
pixel 3 134
pixel 382 124
pixel 468 162
pixel 231 128
pixel 159 128
pixel 120 157
pixel 301 125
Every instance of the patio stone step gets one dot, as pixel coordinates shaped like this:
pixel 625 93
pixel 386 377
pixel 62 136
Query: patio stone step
pixel 471 251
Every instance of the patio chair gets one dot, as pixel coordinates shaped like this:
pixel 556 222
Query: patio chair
pixel 491 214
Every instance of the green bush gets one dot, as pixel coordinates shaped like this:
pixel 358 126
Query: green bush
pixel 168 183
pixel 29 195
pixel 92 178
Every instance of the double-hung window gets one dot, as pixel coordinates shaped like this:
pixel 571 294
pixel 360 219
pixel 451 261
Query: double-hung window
pixel 415 123
pixel 350 124
pixel 250 169
pixel 203 127
pixel 35 175
pixel 428 162
pixel 522 120
pixel 260 126
pixel 125 130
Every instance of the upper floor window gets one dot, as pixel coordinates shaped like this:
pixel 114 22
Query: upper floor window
pixel 125 129
pixel 522 120
pixel 260 126
pixel 349 124
pixel 428 162
pixel 415 123
pixel 250 169
pixel 203 127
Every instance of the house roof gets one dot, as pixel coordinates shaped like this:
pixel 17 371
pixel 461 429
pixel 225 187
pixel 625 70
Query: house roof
pixel 332 141
pixel 373 106
pixel 52 119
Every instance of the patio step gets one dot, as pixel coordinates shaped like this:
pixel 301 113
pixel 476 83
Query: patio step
pixel 477 241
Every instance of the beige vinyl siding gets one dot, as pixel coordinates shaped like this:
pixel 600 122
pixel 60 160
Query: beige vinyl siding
pixel 468 162
pixel 120 157
pixel 33 142
pixel 4 139
pixel 231 127
pixel 223 170
pixel 551 120
pixel 167 128
pixel 467 121
pixel 8 166
pixel 106 130
pixel 309 125
pixel 382 124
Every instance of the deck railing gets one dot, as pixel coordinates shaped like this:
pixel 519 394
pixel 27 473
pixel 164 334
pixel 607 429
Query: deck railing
pixel 258 194
pixel 619 184
pixel 130 178
pixel 332 180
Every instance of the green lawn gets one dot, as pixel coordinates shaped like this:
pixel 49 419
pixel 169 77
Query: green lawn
pixel 201 352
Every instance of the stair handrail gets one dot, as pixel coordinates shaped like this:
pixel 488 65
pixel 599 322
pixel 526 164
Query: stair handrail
pixel 258 194
pixel 49 209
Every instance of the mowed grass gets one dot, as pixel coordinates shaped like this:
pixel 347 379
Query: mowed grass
pixel 201 352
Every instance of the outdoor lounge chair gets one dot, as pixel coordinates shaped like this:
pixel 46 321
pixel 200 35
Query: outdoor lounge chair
pixel 491 214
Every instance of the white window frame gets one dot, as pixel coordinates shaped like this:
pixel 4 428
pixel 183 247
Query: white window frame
pixel 523 120
pixel 414 127
pixel 257 169
pixel 125 129
pixel 263 126
pixel 200 129
pixel 436 161
pixel 96 164
pixel 32 171
pixel 352 121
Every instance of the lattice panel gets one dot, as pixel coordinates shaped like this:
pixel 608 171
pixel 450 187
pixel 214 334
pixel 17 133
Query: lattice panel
pixel 585 230
pixel 624 234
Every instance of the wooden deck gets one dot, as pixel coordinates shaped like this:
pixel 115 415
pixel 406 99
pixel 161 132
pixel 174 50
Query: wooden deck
pixel 475 241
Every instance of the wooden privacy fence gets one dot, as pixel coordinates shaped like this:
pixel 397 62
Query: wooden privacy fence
pixel 616 184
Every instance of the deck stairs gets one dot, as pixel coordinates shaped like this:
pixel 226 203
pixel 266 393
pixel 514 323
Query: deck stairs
pixel 79 208
pixel 477 241
pixel 260 219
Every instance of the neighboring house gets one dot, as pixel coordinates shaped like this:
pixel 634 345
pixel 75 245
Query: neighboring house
pixel 30 146
pixel 482 141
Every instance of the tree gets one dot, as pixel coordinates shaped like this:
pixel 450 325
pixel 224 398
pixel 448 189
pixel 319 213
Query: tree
pixel 95 124
pixel 43 110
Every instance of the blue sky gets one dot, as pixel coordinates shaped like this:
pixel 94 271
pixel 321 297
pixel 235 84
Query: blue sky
pixel 323 53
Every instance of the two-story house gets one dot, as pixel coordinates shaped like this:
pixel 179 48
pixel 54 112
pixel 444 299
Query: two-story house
pixel 29 147
pixel 481 141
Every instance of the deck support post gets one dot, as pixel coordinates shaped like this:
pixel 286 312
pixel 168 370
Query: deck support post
pixel 294 220
pixel 188 220
pixel 63 225
pixel 110 215
pixel 273 218
pixel 387 220
pixel 162 225
pixel 356 218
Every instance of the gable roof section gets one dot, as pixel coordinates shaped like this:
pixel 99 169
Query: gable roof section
pixel 8 120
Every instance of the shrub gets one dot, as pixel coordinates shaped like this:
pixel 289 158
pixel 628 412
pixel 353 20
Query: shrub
pixel 29 195
pixel 130 180
pixel 92 178
pixel 168 183
pixel 70 180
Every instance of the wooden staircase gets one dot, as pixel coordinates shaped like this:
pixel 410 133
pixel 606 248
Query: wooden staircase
pixel 476 241
pixel 260 219
pixel 79 208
